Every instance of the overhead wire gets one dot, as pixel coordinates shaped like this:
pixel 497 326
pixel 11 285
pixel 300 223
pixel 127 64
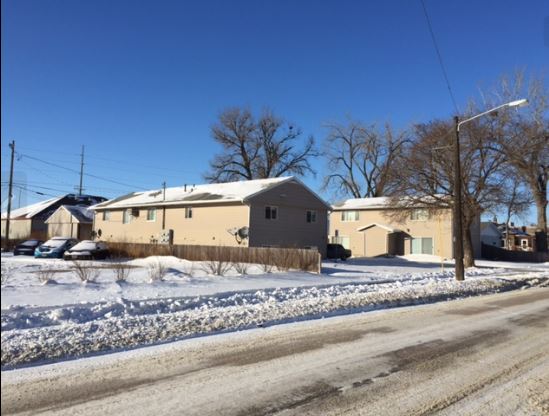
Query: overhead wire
pixel 439 56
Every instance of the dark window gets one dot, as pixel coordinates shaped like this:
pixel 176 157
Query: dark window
pixel 271 213
pixel 311 216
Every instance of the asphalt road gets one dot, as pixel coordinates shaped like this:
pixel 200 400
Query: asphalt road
pixel 487 355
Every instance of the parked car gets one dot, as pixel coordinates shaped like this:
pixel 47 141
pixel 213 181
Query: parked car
pixel 26 248
pixel 55 247
pixel 87 250
pixel 337 251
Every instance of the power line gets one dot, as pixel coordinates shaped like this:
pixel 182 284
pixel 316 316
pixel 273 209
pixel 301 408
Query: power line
pixel 34 191
pixel 178 173
pixel 86 174
pixel 439 55
pixel 32 183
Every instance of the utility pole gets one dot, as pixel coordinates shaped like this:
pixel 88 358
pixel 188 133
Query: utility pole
pixel 458 213
pixel 10 191
pixel 164 206
pixel 81 170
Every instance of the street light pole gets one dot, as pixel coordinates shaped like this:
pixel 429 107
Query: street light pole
pixel 458 206
pixel 458 213
pixel 10 192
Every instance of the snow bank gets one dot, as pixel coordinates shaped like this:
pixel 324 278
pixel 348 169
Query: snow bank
pixel 58 333
pixel 41 323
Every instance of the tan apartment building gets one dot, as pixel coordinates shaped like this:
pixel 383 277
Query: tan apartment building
pixel 277 212
pixel 371 227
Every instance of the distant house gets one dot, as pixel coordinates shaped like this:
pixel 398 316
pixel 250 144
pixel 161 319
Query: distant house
pixel 491 234
pixel 71 221
pixel 519 239
pixel 29 221
pixel 276 212
pixel 373 227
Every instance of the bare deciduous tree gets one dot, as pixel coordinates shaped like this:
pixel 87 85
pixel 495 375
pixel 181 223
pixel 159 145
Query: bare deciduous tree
pixel 360 158
pixel 425 173
pixel 255 149
pixel 525 138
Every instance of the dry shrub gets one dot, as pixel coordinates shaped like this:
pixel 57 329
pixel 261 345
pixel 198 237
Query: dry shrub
pixel 265 258
pixel 157 271
pixel 6 273
pixel 285 259
pixel 241 267
pixel 121 269
pixel 46 274
pixel 216 267
pixel 218 260
pixel 309 261
pixel 85 271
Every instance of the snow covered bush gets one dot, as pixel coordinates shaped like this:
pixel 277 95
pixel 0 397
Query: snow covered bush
pixel 86 272
pixel 157 271
pixel 46 274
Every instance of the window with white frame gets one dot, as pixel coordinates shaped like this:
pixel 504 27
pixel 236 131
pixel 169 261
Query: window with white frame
pixel 420 215
pixel 106 215
pixel 151 214
pixel 271 213
pixel 311 216
pixel 350 216
pixel 188 212
pixel 422 245
pixel 127 216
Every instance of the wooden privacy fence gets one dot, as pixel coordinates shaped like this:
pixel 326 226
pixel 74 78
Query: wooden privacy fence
pixel 497 253
pixel 282 258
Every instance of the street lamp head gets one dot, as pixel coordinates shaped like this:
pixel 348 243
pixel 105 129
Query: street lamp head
pixel 518 103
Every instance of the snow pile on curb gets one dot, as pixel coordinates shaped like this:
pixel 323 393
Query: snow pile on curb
pixel 61 332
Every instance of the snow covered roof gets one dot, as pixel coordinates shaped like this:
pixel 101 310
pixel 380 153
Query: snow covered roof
pixel 384 202
pixel 376 224
pixel 82 214
pixel 362 203
pixel 31 210
pixel 196 195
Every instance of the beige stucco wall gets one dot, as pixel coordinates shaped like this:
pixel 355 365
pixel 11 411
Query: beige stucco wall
pixel 291 228
pixel 19 229
pixel 208 225
pixel 375 241
pixel 438 227
pixel 61 223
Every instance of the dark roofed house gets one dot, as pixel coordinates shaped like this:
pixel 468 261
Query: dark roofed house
pixel 30 221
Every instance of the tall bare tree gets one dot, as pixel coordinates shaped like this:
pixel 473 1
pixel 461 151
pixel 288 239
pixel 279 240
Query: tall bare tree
pixel 525 138
pixel 360 158
pixel 259 148
pixel 425 173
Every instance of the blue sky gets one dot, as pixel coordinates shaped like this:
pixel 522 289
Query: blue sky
pixel 139 83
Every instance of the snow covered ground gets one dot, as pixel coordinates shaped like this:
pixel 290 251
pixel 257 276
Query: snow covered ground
pixel 67 318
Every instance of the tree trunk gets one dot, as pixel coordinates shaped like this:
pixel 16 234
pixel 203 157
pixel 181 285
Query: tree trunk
pixel 540 199
pixel 468 250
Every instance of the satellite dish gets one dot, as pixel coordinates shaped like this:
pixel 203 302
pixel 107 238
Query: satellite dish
pixel 243 232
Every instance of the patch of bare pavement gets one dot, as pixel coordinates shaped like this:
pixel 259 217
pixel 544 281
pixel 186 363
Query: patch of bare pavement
pixel 486 355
